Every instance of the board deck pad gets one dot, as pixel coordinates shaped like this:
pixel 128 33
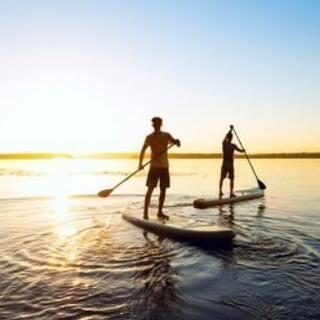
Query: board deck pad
pixel 241 195
pixel 181 228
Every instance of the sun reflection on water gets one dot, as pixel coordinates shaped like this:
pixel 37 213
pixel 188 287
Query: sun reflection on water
pixel 64 248
pixel 73 237
pixel 64 228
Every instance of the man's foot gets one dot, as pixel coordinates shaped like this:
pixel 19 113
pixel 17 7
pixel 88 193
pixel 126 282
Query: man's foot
pixel 232 195
pixel 162 216
pixel 145 216
pixel 220 194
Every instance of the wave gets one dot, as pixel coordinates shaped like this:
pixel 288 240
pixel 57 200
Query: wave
pixel 71 196
pixel 38 173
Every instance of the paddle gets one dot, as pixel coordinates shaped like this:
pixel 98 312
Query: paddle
pixel 105 193
pixel 261 185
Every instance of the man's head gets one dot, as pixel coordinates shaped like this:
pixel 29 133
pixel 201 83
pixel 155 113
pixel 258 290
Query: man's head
pixel 229 136
pixel 156 123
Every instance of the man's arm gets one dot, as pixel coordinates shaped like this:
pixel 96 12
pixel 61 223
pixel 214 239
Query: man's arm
pixel 229 132
pixel 142 152
pixel 238 149
pixel 174 141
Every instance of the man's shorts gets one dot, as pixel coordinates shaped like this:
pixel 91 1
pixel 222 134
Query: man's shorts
pixel 227 171
pixel 158 173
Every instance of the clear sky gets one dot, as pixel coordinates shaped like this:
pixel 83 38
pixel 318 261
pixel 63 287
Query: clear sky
pixel 88 75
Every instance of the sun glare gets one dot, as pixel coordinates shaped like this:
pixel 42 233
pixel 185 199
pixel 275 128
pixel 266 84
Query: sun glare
pixel 60 173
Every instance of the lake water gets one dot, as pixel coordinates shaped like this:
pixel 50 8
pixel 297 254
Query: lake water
pixel 67 254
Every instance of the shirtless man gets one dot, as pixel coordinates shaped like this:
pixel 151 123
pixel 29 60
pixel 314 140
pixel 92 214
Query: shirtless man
pixel 227 168
pixel 158 141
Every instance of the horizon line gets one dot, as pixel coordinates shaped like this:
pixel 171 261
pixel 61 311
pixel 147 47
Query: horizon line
pixel 135 155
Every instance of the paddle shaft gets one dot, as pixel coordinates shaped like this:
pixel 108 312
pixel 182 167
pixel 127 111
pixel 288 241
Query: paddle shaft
pixel 245 153
pixel 139 169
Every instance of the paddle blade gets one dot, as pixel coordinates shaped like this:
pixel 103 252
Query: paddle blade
pixel 261 185
pixel 105 193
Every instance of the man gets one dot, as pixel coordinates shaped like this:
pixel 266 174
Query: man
pixel 227 168
pixel 158 141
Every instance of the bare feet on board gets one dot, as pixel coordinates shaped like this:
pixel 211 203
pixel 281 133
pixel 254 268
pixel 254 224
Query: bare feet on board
pixel 145 216
pixel 162 216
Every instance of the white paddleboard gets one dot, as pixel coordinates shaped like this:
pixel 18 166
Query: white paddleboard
pixel 177 228
pixel 242 195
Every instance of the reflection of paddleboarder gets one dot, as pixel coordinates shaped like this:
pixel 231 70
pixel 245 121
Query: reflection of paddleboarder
pixel 227 169
pixel 158 141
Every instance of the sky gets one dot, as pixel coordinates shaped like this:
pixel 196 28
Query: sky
pixel 87 76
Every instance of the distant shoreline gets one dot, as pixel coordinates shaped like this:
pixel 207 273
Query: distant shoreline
pixel 128 155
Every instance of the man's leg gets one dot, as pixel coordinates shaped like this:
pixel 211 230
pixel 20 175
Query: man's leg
pixel 222 176
pixel 164 184
pixel 220 186
pixel 231 187
pixel 231 177
pixel 147 202
pixel 162 197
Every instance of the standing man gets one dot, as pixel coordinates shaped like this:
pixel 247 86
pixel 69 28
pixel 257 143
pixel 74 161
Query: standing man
pixel 227 168
pixel 158 141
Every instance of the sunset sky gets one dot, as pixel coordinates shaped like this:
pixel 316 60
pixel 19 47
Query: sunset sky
pixel 81 76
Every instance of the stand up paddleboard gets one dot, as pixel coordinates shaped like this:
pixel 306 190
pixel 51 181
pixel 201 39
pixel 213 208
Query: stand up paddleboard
pixel 242 195
pixel 176 229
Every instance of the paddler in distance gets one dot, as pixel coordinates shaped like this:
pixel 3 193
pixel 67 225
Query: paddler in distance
pixel 227 168
pixel 158 142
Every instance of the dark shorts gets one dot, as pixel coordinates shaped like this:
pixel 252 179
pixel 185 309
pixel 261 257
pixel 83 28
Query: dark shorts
pixel 155 174
pixel 227 171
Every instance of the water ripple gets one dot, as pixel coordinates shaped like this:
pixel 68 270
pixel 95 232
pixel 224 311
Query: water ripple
pixel 90 264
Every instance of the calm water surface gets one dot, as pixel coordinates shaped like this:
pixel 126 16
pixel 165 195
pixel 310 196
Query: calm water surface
pixel 66 254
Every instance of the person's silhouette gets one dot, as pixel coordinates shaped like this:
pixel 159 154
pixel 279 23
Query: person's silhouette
pixel 158 141
pixel 227 168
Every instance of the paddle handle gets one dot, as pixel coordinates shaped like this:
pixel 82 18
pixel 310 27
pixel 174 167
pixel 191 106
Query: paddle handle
pixel 139 169
pixel 245 153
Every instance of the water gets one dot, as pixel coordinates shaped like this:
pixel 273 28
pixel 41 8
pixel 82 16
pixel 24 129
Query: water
pixel 66 254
